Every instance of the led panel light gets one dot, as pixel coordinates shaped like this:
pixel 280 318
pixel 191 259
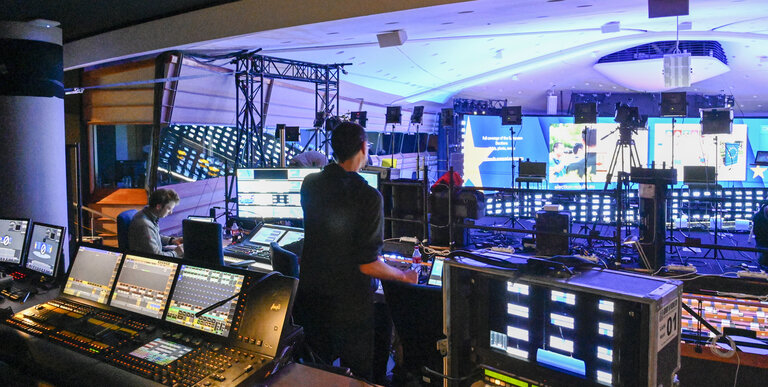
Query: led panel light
pixel 517 333
pixel 561 344
pixel 605 354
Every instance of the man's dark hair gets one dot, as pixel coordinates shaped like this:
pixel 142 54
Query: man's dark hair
pixel 162 197
pixel 346 140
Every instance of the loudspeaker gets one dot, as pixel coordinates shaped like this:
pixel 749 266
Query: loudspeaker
pixel 511 115
pixel 417 115
pixel 390 39
pixel 662 8
pixel 585 113
pixel 393 115
pixel 677 70
pixel 446 117
pixel 673 104
pixel 553 222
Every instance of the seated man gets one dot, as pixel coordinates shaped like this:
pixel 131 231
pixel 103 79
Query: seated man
pixel 144 232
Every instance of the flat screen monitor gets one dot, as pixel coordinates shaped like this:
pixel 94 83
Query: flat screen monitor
pixel 143 285
pixel 266 234
pixel 371 177
pixel 44 248
pixel 761 158
pixel 13 235
pixel 271 193
pixel 203 241
pixel 198 288
pixel 436 274
pixel 532 169
pixel 290 237
pixel 93 273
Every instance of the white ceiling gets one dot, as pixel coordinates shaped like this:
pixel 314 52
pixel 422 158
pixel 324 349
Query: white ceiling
pixel 517 50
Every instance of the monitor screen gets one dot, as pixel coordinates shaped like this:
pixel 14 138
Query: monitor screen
pixel 436 274
pixel 143 285
pixel 272 193
pixel 44 248
pixel 93 274
pixel 198 288
pixel 290 237
pixel 266 235
pixel 13 234
pixel 161 352
pixel 761 158
pixel 372 178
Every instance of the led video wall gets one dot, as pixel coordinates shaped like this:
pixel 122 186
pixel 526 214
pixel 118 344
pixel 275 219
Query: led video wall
pixel 563 145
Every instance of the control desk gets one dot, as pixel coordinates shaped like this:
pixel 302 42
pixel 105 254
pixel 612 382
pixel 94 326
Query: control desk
pixel 166 321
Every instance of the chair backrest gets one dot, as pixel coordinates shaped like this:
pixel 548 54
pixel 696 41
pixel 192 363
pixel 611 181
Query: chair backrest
pixel 123 223
pixel 284 261
pixel 417 313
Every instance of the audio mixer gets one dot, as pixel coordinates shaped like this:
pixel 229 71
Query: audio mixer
pixel 152 321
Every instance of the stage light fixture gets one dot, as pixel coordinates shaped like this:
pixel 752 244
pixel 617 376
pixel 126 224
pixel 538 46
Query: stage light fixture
pixel 319 120
pixel 394 115
pixel 359 118
pixel 585 113
pixel 446 117
pixel 417 115
pixel 673 104
pixel 716 121
pixel 278 128
pixel 511 115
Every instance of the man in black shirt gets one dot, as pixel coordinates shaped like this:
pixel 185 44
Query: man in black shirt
pixel 343 226
pixel 760 231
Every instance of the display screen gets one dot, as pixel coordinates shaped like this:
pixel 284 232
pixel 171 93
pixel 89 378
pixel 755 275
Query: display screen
pixel 692 148
pixel 290 237
pixel 436 274
pixel 13 234
pixel 568 150
pixel 725 312
pixel 93 274
pixel 271 193
pixel 44 248
pixel 555 328
pixel 161 352
pixel 266 235
pixel 198 288
pixel 372 178
pixel 143 285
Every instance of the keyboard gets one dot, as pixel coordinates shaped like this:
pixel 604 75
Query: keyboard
pixel 259 253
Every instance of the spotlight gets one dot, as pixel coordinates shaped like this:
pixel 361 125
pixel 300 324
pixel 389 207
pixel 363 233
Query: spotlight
pixel 585 113
pixel 393 115
pixel 359 118
pixel 319 119
pixel 511 115
pixel 417 115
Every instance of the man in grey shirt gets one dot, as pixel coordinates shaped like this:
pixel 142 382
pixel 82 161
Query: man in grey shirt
pixel 144 232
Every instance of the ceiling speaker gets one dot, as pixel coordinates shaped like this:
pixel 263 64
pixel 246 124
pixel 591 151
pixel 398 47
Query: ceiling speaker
pixel 677 70
pixel 391 39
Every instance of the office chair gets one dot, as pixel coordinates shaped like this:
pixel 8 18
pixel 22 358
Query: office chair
pixel 123 223
pixel 417 313
pixel 284 261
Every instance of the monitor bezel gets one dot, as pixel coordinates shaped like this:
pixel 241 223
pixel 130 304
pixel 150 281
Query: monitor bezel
pixel 25 245
pixel 58 260
pixel 69 272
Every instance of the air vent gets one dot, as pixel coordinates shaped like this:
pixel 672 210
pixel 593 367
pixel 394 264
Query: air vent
pixel 655 50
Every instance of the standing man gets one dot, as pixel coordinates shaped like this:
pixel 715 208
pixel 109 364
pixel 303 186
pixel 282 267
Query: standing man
pixel 760 232
pixel 144 232
pixel 343 226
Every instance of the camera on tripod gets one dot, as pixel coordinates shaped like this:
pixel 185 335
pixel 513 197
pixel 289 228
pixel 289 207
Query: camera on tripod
pixel 629 120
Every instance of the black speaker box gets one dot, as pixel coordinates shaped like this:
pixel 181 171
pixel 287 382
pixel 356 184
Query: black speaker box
pixel 551 222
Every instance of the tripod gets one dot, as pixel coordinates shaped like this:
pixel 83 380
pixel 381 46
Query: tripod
pixel 512 218
pixel 624 144
pixel 716 253
pixel 584 227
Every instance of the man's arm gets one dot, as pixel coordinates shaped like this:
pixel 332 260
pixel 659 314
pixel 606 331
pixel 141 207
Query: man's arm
pixel 379 269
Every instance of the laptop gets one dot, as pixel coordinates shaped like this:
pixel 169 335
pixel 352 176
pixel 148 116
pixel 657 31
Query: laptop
pixel 256 246
pixel 761 158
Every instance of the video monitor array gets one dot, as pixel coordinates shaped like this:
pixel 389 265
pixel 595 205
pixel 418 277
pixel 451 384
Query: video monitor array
pixel 156 288
pixel 32 245
pixel 271 193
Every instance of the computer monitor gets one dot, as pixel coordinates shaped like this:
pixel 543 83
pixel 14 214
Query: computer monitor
pixel 290 237
pixel 436 274
pixel 266 234
pixel 143 285
pixel 371 177
pixel 44 250
pixel 761 158
pixel 198 288
pixel 93 273
pixel 203 241
pixel 13 235
pixel 271 193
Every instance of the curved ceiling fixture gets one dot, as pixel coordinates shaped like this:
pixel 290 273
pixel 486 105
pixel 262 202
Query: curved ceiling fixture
pixel 641 67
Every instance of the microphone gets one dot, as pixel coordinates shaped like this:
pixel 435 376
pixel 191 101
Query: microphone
pixel 242 291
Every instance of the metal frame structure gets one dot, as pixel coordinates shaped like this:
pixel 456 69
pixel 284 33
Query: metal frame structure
pixel 250 72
